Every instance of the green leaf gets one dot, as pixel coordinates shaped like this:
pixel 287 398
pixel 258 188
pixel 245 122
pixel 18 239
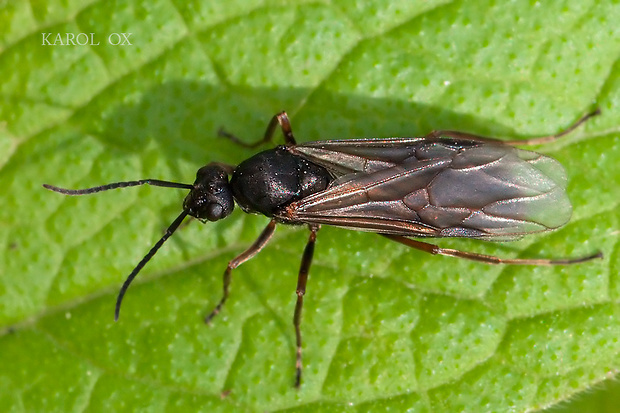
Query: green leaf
pixel 384 327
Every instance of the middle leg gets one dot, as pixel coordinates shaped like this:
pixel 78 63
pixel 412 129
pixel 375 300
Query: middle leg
pixel 302 279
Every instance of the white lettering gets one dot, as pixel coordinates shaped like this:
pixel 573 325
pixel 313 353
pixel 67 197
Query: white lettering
pixel 126 36
pixel 118 39
pixel 85 42
pixel 92 40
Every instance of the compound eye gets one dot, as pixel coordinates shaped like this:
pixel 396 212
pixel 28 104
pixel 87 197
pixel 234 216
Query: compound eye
pixel 215 212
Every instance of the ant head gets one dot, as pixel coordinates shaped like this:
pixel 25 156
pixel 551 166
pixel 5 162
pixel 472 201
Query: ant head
pixel 211 197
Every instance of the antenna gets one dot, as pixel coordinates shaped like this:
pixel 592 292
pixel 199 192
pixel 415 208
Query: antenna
pixel 173 227
pixel 154 182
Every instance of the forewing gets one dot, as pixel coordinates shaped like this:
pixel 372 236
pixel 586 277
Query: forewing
pixel 441 188
pixel 358 155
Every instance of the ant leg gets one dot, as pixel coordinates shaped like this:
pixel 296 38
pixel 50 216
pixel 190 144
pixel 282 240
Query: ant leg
pixel 302 279
pixel 489 259
pixel 532 141
pixel 550 138
pixel 279 119
pixel 254 249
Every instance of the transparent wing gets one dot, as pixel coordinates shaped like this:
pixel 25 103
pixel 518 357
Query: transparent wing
pixel 435 188
pixel 358 155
